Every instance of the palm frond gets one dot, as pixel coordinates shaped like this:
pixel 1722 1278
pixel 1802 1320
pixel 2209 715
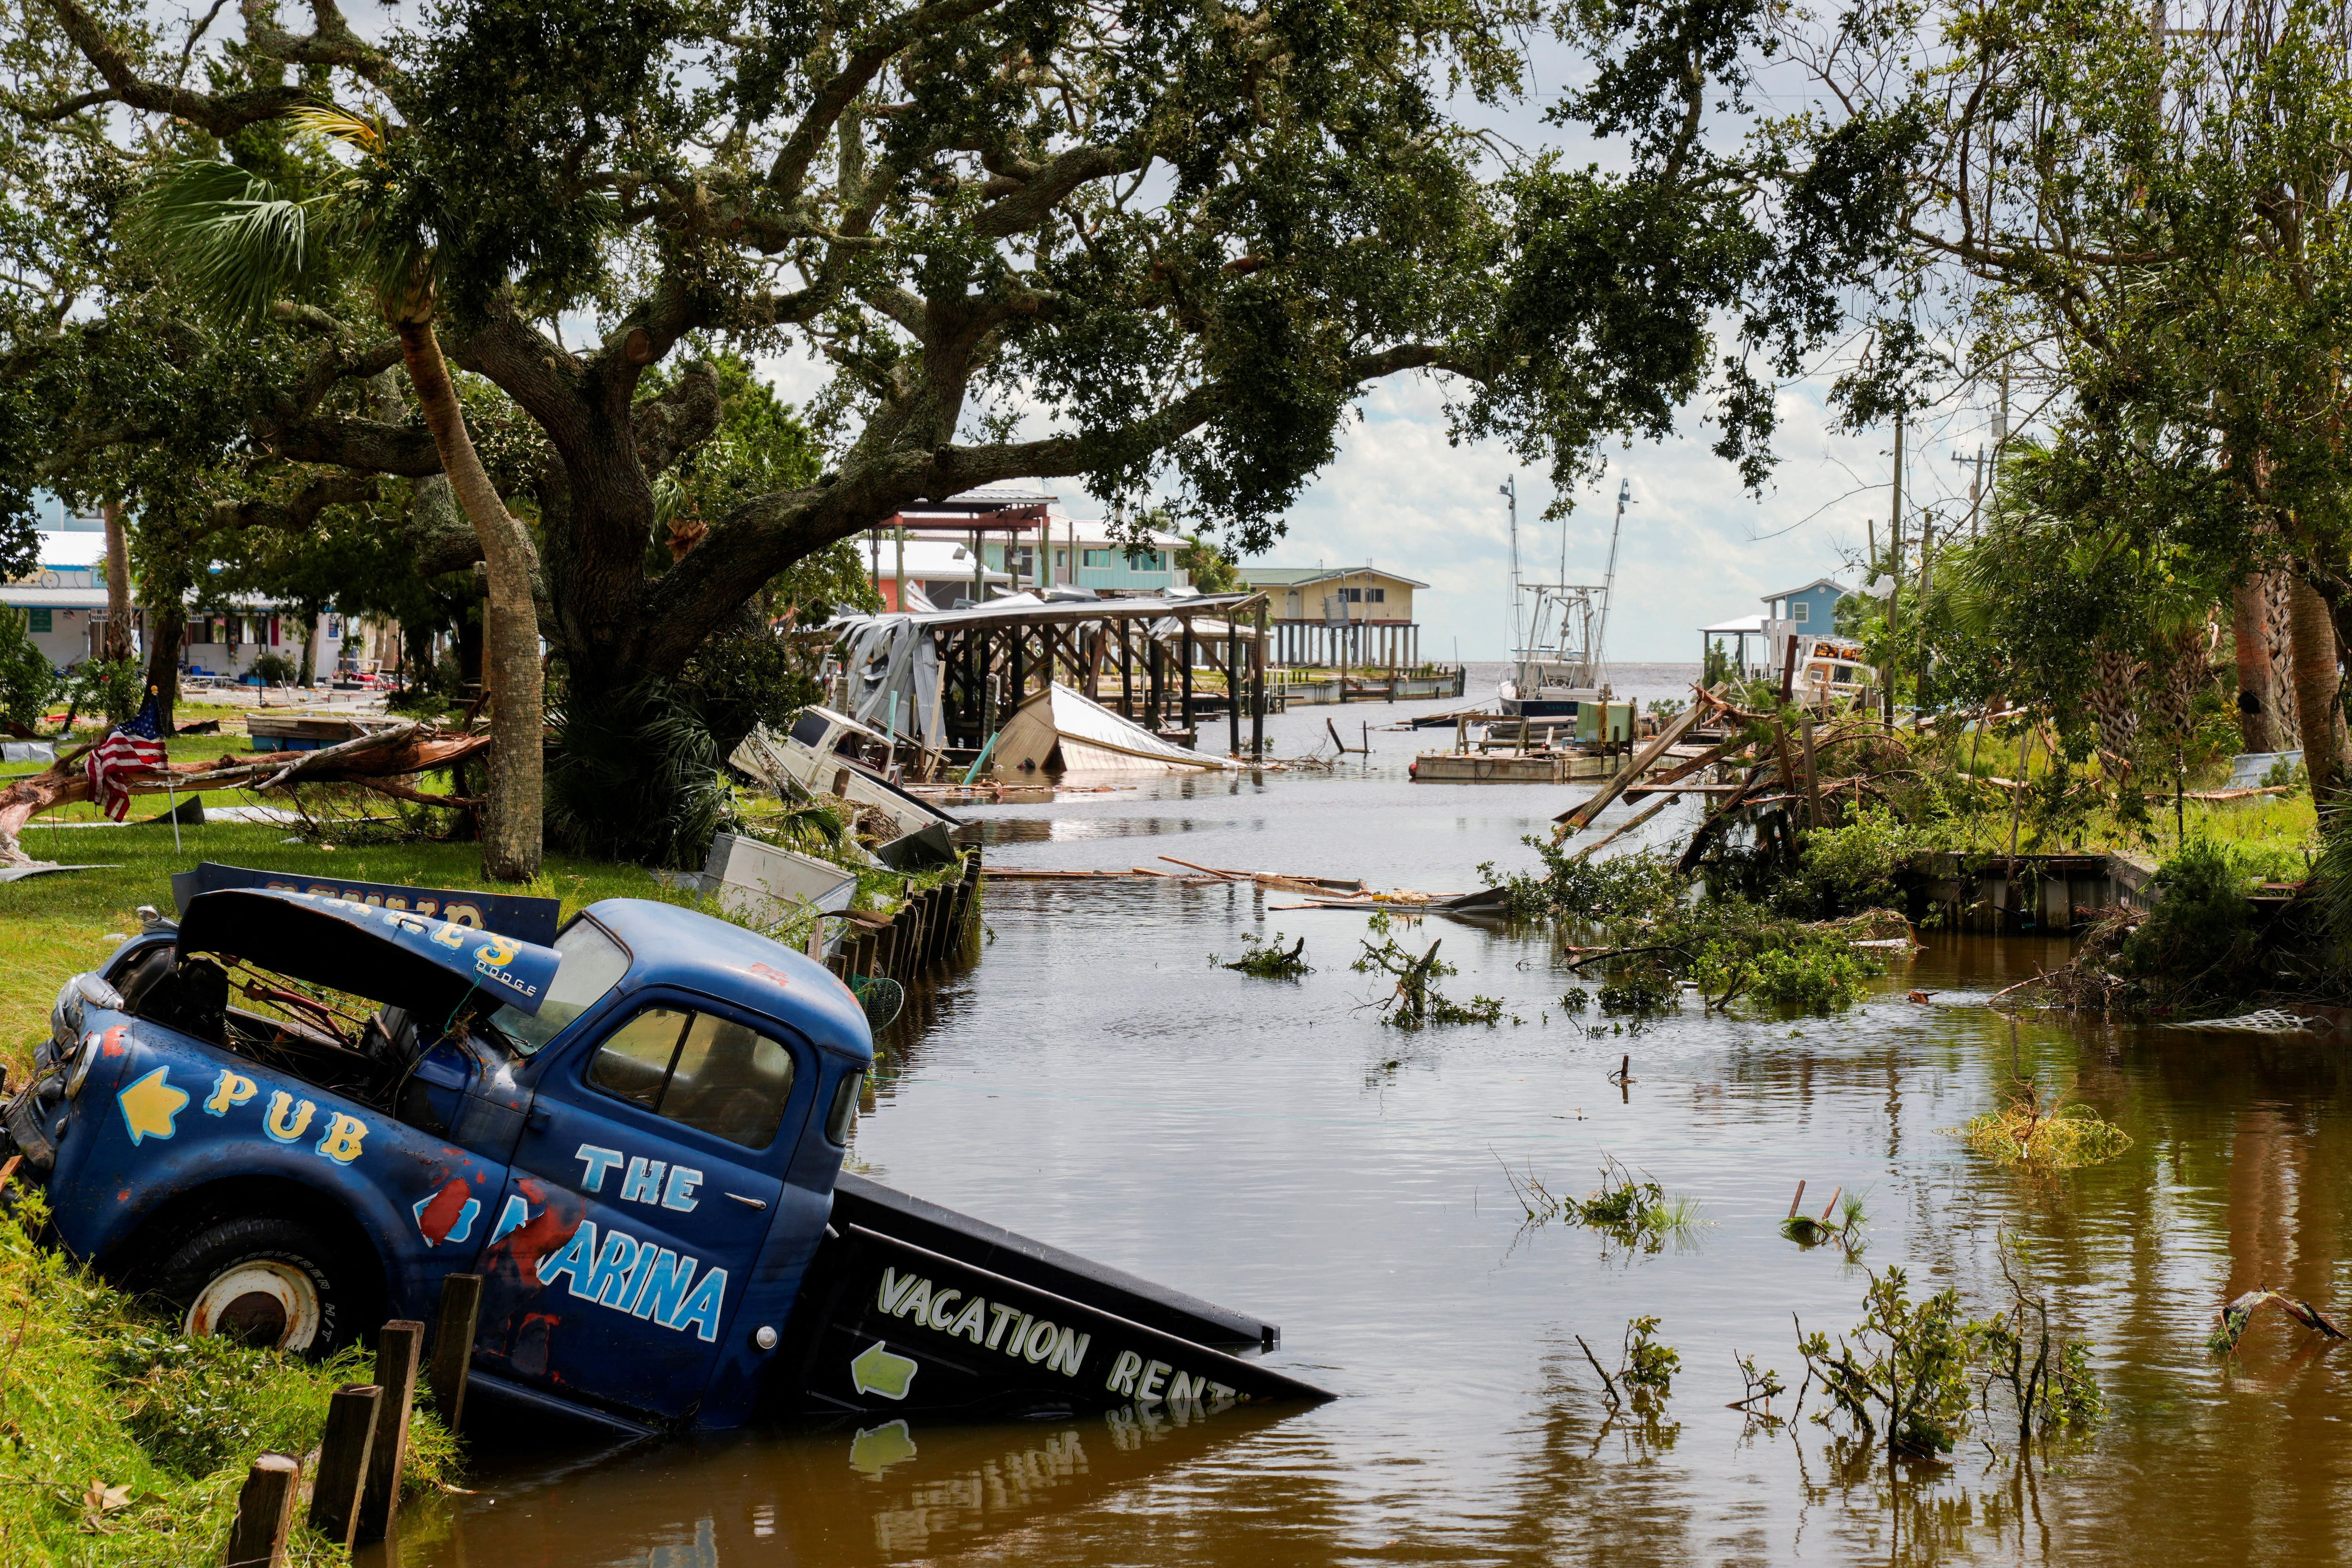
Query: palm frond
pixel 338 124
pixel 228 237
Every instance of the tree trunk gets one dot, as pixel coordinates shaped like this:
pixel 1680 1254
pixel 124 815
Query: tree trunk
pixel 2278 639
pixel 309 675
pixel 118 583
pixel 2247 613
pixel 512 831
pixel 167 621
pixel 2317 677
pixel 2115 682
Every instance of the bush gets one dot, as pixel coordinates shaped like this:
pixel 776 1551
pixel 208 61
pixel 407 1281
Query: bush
pixel 411 701
pixel 1853 866
pixel 27 681
pixel 2200 935
pixel 276 669
pixel 115 687
pixel 1815 976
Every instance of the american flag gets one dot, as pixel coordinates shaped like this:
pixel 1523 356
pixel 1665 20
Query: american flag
pixel 132 747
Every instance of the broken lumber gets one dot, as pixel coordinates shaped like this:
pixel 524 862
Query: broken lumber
pixel 1581 818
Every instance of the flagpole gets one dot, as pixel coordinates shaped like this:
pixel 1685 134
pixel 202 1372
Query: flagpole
pixel 171 790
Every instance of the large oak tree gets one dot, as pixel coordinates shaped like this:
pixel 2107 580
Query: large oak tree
pixel 1137 243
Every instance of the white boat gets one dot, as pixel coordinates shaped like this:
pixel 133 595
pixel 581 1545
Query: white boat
pixel 1556 630
pixel 1063 731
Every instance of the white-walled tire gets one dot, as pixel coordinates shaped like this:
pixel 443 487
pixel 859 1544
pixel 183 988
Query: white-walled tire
pixel 277 1284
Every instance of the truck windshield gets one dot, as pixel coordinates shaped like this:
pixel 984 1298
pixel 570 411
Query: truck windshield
pixel 592 964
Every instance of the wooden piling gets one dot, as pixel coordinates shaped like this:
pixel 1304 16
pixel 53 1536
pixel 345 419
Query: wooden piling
pixel 453 1345
pixel 342 1477
pixel 265 1513
pixel 397 1347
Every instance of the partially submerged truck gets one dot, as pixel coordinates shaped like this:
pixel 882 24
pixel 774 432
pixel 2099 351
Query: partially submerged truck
pixel 632 1131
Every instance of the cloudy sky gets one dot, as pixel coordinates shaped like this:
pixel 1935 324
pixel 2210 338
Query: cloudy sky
pixel 1697 548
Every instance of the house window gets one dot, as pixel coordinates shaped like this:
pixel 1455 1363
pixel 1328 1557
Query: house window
pixel 1800 612
pixel 1377 595
pixel 1098 558
pixel 1352 595
pixel 39 621
pixel 1025 561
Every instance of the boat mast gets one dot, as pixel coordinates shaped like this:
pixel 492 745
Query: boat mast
pixel 1509 489
pixel 1609 577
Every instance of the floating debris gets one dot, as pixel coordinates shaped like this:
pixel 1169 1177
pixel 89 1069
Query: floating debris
pixel 2056 1136
pixel 1268 960
pixel 2262 1020
pixel 2231 1322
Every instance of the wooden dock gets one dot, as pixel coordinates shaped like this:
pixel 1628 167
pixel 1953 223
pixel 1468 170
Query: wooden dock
pixel 1507 768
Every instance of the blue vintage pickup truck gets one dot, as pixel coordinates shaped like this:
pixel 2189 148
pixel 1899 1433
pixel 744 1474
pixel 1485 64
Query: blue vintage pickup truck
pixel 633 1133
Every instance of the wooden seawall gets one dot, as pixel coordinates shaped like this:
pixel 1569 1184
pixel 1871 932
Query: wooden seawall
pixel 2050 894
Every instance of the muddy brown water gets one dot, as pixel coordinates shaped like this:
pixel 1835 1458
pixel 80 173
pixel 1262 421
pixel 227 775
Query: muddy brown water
pixel 1271 1145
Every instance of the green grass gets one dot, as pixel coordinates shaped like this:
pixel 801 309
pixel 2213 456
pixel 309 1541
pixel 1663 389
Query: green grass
pixel 126 1442
pixel 55 925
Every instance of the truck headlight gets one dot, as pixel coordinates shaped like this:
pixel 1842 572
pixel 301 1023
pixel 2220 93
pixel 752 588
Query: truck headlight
pixel 65 1019
pixel 79 1072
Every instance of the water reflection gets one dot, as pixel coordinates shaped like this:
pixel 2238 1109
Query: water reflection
pixel 894 1492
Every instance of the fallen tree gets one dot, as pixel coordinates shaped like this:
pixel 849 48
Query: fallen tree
pixel 376 762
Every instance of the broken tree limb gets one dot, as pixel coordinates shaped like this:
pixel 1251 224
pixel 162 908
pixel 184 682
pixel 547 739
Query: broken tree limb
pixel 1581 818
pixel 1719 819
pixel 1627 826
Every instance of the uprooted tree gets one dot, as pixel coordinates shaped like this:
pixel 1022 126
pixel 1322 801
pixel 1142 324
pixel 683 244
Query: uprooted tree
pixel 1026 239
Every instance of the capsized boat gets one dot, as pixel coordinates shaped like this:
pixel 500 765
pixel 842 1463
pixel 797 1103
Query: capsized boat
pixel 1060 730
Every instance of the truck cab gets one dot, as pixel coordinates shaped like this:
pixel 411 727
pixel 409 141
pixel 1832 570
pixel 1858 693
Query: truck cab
pixel 632 1135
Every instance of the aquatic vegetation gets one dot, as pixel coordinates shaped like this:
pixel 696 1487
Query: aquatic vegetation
pixel 1903 1374
pixel 1841 1222
pixel 1576 999
pixel 1416 1001
pixel 1763 1387
pixel 1916 1374
pixel 2054 1135
pixel 1623 1208
pixel 1645 1368
pixel 1268 960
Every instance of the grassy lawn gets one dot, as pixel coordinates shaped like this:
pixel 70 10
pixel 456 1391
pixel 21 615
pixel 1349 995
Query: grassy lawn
pixel 52 926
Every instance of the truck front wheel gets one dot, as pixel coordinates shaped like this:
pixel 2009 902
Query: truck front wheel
pixel 274 1283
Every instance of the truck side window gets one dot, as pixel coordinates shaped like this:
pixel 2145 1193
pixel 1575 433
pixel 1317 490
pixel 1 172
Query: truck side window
pixel 634 1061
pixel 711 1073
pixel 730 1083
pixel 844 1115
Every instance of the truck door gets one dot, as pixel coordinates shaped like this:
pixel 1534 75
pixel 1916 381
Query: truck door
pixel 641 1190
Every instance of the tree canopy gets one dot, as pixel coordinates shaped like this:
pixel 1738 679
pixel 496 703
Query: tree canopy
pixel 1155 241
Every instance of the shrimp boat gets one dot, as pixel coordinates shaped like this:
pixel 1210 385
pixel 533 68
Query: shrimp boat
pixel 1556 631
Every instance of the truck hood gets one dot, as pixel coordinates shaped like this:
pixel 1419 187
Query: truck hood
pixel 404 959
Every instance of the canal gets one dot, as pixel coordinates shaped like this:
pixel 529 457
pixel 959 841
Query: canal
pixel 1093 1082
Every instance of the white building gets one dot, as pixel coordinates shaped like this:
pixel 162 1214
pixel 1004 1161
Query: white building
pixel 64 601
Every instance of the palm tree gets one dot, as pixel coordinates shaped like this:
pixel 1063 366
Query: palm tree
pixel 239 247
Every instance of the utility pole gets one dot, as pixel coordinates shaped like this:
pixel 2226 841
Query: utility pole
pixel 1975 460
pixel 1895 560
